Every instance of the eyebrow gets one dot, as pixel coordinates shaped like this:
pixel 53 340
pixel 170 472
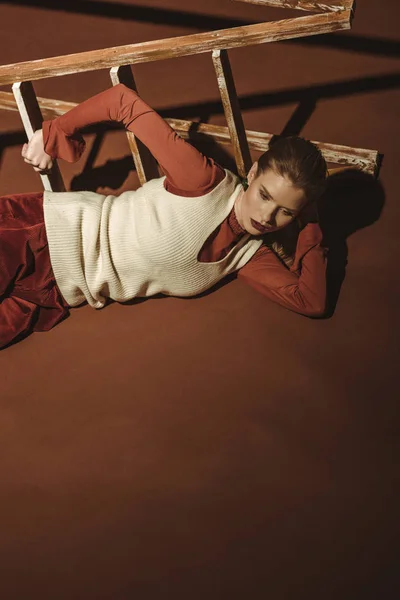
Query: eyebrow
pixel 266 192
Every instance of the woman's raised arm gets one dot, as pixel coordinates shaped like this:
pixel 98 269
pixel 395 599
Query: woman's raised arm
pixel 188 172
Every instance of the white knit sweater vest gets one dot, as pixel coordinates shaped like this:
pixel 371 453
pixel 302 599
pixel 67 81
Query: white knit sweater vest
pixel 140 243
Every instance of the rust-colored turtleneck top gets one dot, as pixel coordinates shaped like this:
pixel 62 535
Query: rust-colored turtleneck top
pixel 301 288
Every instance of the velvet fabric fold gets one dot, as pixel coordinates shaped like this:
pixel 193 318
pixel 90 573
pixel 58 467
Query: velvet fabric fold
pixel 29 297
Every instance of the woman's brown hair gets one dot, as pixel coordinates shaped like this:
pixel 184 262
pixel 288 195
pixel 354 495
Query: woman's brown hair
pixel 302 163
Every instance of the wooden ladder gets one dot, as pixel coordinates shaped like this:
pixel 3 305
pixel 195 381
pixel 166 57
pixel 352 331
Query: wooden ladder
pixel 330 17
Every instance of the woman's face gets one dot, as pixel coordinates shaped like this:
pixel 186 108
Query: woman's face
pixel 269 203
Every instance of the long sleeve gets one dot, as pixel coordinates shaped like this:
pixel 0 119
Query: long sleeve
pixel 188 172
pixel 302 288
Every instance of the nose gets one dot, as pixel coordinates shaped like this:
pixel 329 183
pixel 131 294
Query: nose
pixel 268 216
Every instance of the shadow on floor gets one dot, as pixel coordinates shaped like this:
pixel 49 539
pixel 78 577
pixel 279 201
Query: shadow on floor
pixel 307 94
pixel 113 173
pixel 10 139
pixel 197 21
pixel 135 12
pixel 353 200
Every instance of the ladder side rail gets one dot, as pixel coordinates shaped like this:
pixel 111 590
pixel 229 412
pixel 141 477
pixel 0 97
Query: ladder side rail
pixel 32 120
pixel 307 5
pixel 233 115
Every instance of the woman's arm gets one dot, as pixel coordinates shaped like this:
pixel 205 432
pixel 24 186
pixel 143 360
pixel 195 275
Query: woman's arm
pixel 186 169
pixel 302 288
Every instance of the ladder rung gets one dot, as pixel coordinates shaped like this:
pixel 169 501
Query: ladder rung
pixel 359 158
pixel 186 45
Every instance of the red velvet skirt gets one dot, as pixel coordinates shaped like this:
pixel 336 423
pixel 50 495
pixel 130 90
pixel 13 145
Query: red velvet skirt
pixel 29 297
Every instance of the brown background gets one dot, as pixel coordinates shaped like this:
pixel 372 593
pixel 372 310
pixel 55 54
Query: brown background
pixel 218 447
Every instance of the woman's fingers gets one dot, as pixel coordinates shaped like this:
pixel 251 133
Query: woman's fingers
pixel 45 165
pixel 34 153
pixel 42 169
pixel 27 156
pixel 39 168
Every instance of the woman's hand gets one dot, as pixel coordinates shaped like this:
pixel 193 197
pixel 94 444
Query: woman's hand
pixel 33 153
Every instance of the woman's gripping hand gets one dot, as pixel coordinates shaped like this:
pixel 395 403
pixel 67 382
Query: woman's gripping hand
pixel 33 153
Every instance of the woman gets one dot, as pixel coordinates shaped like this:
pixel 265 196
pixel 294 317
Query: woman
pixel 177 235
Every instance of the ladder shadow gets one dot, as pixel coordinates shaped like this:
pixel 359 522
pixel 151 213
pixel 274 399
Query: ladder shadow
pixel 300 117
pixel 197 21
pixel 113 173
pixel 10 139
pixel 136 12
pixel 116 171
pixel 307 95
pixel 352 43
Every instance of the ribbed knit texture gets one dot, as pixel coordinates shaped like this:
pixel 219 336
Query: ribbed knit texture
pixel 140 243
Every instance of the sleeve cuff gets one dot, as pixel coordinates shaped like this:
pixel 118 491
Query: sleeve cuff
pixel 310 236
pixel 58 145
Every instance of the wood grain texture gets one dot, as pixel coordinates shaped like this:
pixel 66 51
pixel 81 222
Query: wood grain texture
pixel 308 5
pixel 32 119
pixel 233 115
pixel 346 156
pixel 145 163
pixel 235 37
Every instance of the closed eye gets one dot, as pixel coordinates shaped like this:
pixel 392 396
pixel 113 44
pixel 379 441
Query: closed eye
pixel 284 210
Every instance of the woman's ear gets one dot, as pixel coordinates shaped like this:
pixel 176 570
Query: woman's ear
pixel 252 172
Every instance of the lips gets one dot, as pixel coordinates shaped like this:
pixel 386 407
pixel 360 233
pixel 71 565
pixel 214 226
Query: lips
pixel 259 227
